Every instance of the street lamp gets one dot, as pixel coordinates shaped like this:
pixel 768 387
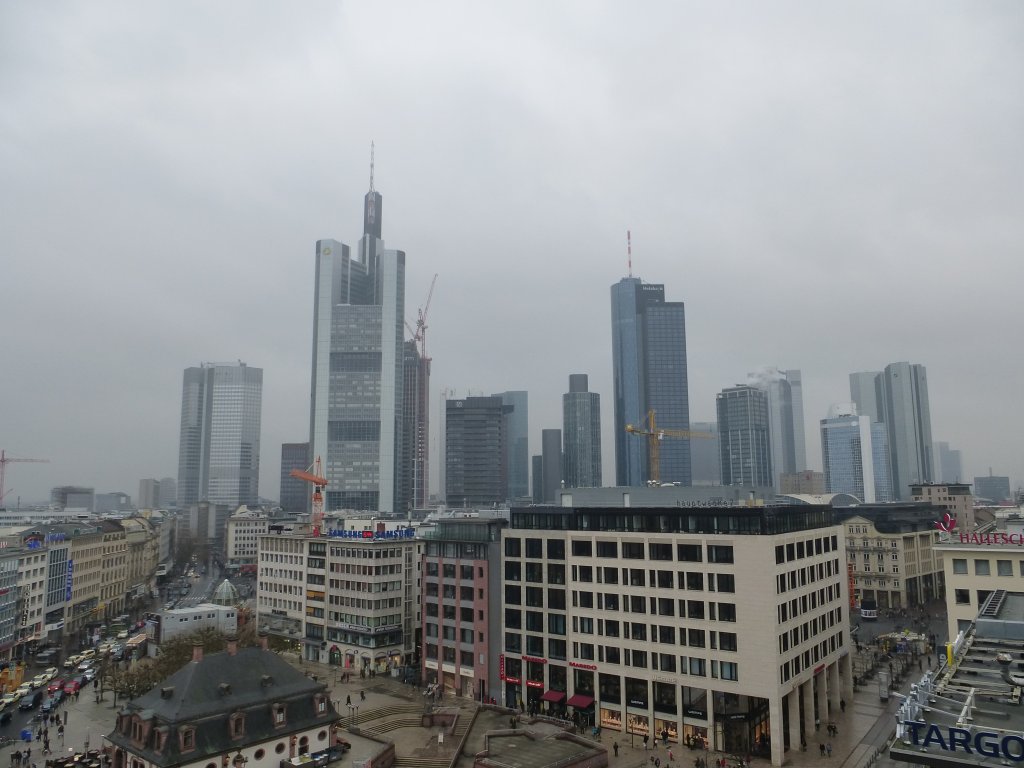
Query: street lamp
pixel 239 760
pixel 353 710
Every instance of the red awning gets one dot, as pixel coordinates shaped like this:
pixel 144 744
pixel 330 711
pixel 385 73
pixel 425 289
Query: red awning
pixel 580 701
pixel 553 696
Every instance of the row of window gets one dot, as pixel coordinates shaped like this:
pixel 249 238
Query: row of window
pixel 638 577
pixel 984 567
pixel 798 606
pixel 448 571
pixel 787 553
pixel 801 577
pixel 801 634
pixel 810 657
pixel 630 550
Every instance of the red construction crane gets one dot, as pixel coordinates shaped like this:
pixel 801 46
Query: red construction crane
pixel 4 461
pixel 316 520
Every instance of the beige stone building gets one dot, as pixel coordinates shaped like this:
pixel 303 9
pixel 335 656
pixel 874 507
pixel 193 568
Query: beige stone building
pixel 142 551
pixel 955 498
pixel 891 555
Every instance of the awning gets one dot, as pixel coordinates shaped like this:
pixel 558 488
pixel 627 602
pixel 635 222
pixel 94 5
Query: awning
pixel 380 655
pixel 552 695
pixel 579 701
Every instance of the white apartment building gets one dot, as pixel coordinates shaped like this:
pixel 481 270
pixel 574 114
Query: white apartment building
pixel 711 625
pixel 350 598
pixel 244 529
pixel 891 555
pixel 184 621
pixel 976 563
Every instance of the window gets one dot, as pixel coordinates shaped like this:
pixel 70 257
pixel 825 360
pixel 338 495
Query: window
pixel 695 638
pixel 960 565
pixel 632 550
pixel 726 582
pixel 512 547
pixel 718 553
pixel 534 548
pixel 730 670
pixel 659 551
pixel 726 612
pixel 689 553
pixel 556 549
pixel 981 568
pixel 607 549
pixel 963 597
pixel 698 667
pixel 582 548
pixel 1004 567
pixel 727 641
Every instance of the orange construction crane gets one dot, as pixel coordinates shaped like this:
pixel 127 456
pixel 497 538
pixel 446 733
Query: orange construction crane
pixel 4 461
pixel 316 477
pixel 655 435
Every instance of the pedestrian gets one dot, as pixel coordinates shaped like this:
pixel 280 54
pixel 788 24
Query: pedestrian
pixel 664 737
pixel 821 749
pixel 671 757
pixel 362 695
pixel 657 762
pixel 348 700
pixel 828 748
pixel 645 741
pixel 615 748
pixel 842 704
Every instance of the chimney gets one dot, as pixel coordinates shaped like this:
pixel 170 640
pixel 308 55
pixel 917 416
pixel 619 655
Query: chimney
pixel 264 641
pixel 197 652
pixel 232 645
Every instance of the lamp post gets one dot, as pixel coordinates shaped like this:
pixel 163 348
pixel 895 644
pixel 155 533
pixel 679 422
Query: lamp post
pixel 239 760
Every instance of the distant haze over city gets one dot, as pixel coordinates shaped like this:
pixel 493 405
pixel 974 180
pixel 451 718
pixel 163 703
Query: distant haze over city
pixel 827 188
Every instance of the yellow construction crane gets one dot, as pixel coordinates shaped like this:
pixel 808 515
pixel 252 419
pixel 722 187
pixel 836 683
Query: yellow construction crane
pixel 655 435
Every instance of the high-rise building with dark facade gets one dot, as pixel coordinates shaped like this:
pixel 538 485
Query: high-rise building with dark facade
pixel 865 394
pixel 219 451
pixel 903 390
pixel 581 434
pixel 785 419
pixel 744 435
pixel 994 488
pixel 517 449
pixel 551 456
pixel 475 462
pixel 706 455
pixel 414 467
pixel 295 494
pixel 356 411
pixel 649 373
pixel 537 470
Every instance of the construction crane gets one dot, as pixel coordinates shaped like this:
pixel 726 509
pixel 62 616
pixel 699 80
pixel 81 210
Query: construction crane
pixel 419 335
pixel 4 461
pixel 655 435
pixel 316 477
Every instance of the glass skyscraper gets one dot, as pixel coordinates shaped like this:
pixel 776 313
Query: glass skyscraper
pixel 219 449
pixel 905 411
pixel 649 374
pixel 517 446
pixel 855 455
pixel 744 436
pixel 356 411
pixel 475 465
pixel 581 434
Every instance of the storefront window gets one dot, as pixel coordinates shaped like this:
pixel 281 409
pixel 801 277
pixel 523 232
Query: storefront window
pixel 611 690
pixel 661 727
pixel 664 697
pixel 636 693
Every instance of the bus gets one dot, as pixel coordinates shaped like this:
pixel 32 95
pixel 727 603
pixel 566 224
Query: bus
pixel 868 610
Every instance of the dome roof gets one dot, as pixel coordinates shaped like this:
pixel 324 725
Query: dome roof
pixel 225 594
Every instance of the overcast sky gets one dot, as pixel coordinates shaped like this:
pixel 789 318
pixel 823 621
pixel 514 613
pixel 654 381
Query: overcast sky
pixel 828 186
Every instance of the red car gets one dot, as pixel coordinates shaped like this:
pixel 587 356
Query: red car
pixel 72 686
pixel 55 685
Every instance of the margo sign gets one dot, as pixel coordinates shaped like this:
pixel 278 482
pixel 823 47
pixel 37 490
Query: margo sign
pixel 952 739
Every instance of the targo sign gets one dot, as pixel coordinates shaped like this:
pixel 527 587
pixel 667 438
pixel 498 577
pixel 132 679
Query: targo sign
pixel 953 739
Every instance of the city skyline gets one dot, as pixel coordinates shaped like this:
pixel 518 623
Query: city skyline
pixel 754 191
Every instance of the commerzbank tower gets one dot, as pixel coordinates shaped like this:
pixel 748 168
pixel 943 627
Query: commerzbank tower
pixel 356 398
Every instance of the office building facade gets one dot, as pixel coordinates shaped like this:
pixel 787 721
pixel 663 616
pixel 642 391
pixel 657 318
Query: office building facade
pixel 551 456
pixel 295 494
pixel 706 455
pixel 475 463
pixel 993 488
pixel 659 622
pixel 219 451
pixel 649 373
pixel 581 430
pixel 744 436
pixel 357 382
pixel 907 417
pixel 414 469
pixel 785 419
pixel 949 463
pixel 517 443
pixel 855 455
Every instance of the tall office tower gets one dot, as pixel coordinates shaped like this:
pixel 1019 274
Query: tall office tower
pixel 745 436
pixel 785 419
pixel 855 455
pixel 168 492
pixel 949 463
pixel 475 452
pixel 904 402
pixel 537 463
pixel 649 373
pixel 517 450
pixel 993 488
pixel 551 456
pixel 296 495
pixel 865 394
pixel 416 427
pixel 796 394
pixel 706 455
pixel 358 358
pixel 219 452
pixel 149 493
pixel 581 428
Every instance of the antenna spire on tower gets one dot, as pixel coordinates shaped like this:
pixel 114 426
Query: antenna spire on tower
pixel 629 251
pixel 371 166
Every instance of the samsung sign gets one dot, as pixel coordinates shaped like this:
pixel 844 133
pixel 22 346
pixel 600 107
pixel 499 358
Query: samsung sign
pixel 401 533
pixel 951 739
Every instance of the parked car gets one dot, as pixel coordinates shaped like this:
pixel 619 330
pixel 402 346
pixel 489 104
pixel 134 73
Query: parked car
pixel 73 686
pixel 87 664
pixel 55 685
pixel 51 672
pixel 31 701
pixel 38 681
pixel 90 674
pixel 10 699
pixel 73 661
pixel 24 689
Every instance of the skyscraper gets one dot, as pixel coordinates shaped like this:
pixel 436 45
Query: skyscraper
pixel 706 455
pixel 517 449
pixel 168 492
pixel 475 443
pixel 295 494
pixel 855 455
pixel 149 493
pixel 219 451
pixel 744 435
pixel 865 395
pixel 581 430
pixel 903 390
pixel 356 398
pixel 414 472
pixel 551 456
pixel 994 488
pixel 785 419
pixel 649 373
pixel 949 463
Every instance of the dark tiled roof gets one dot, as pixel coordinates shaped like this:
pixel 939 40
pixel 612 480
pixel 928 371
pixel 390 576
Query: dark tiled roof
pixel 205 694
